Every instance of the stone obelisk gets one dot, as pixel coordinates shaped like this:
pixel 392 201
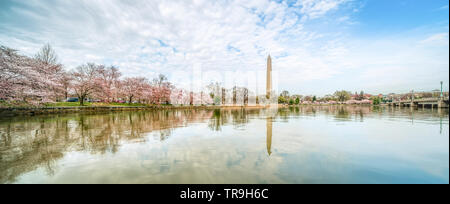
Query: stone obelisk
pixel 269 78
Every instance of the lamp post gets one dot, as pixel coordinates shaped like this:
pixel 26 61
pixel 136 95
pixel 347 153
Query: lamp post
pixel 442 94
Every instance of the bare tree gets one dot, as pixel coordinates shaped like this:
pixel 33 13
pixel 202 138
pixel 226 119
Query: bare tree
pixel 47 55
pixel 234 95
pixel 48 59
pixel 223 96
pixel 245 93
pixel 285 94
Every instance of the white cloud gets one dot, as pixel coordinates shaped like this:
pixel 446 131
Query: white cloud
pixel 436 39
pixel 445 7
pixel 149 37
pixel 317 8
pixel 175 33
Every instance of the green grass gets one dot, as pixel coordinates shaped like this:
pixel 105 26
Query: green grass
pixel 66 104
pixel 127 104
pixel 16 104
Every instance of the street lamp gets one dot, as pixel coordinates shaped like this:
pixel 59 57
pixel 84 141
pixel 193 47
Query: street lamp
pixel 442 94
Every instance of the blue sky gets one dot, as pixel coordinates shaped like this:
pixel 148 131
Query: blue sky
pixel 318 46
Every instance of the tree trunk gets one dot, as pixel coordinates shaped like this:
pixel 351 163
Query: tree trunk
pixel 66 93
pixel 223 96
pixel 81 100
pixel 234 96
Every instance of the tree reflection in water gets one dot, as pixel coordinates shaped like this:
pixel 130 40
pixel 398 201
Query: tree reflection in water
pixel 27 143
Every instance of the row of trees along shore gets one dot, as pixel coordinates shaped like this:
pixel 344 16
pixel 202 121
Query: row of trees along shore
pixel 339 97
pixel 41 79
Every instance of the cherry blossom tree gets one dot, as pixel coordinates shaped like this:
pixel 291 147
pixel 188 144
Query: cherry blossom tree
pixel 51 76
pixel 42 79
pixel 65 81
pixel 85 81
pixel 26 79
pixel 162 89
pixel 12 73
pixel 180 97
pixel 134 87
pixel 147 93
pixel 109 83
pixel 53 72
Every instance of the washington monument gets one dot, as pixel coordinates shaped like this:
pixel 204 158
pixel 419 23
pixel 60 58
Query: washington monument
pixel 269 78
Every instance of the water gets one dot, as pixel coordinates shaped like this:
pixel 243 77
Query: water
pixel 293 145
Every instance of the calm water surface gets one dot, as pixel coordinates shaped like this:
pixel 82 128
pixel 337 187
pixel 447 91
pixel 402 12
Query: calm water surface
pixel 293 145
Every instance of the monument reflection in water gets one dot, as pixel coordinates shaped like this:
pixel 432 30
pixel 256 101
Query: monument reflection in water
pixel 335 144
pixel 269 135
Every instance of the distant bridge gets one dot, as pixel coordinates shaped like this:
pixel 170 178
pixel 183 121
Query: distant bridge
pixel 423 102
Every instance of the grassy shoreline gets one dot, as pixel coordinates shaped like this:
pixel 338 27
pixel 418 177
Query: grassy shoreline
pixel 71 104
pixel 74 107
pixel 64 108
pixel 20 105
